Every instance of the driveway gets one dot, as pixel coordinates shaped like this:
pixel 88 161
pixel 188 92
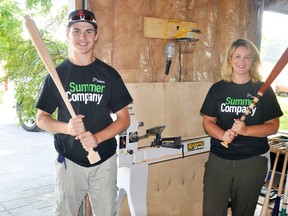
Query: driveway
pixel 26 168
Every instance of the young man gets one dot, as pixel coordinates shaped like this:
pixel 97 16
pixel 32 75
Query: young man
pixel 95 90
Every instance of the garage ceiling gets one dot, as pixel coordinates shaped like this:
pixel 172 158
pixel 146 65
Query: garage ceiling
pixel 279 6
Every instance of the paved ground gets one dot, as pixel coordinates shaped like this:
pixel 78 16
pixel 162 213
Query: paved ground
pixel 26 168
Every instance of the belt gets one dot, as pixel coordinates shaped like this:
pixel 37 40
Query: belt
pixel 61 159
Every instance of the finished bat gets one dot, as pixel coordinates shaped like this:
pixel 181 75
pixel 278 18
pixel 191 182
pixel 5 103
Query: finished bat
pixel 273 74
pixel 280 188
pixel 42 50
pixel 267 197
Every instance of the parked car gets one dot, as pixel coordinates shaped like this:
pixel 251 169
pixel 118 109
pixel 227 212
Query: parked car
pixel 282 89
pixel 28 123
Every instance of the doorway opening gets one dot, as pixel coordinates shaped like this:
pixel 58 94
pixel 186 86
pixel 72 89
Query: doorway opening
pixel 273 43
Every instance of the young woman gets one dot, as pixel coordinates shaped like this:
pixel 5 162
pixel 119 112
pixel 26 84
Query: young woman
pixel 237 172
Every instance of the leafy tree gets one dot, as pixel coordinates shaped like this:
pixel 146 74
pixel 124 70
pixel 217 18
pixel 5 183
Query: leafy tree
pixel 19 58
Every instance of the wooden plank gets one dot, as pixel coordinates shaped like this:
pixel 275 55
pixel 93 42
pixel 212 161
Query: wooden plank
pixel 174 187
pixel 155 27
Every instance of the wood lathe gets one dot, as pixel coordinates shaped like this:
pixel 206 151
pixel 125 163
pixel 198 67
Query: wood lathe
pixel 133 161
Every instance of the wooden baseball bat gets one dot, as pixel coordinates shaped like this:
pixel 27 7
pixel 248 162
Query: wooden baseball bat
pixel 275 211
pixel 284 204
pixel 273 74
pixel 267 197
pixel 42 50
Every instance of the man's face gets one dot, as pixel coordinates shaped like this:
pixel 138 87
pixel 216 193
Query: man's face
pixel 82 37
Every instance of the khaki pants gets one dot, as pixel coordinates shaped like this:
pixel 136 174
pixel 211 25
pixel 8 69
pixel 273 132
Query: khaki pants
pixel 73 182
pixel 240 180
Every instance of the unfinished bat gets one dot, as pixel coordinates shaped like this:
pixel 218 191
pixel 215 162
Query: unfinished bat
pixel 42 50
pixel 273 74
pixel 274 147
pixel 267 197
pixel 284 204
pixel 280 188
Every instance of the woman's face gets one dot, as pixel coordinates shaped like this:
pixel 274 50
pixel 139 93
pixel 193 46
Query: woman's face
pixel 241 61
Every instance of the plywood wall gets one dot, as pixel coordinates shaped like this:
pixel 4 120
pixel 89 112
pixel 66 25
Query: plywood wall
pixel 174 188
pixel 175 105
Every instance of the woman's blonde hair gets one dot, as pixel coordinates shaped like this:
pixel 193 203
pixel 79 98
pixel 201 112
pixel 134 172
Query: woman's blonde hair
pixel 227 70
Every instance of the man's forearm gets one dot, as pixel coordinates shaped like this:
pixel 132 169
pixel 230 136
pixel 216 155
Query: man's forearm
pixel 52 125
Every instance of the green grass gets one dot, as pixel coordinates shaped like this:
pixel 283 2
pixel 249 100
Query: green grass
pixel 283 101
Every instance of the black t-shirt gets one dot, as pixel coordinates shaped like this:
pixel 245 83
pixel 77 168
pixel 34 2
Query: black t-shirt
pixel 94 91
pixel 228 101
